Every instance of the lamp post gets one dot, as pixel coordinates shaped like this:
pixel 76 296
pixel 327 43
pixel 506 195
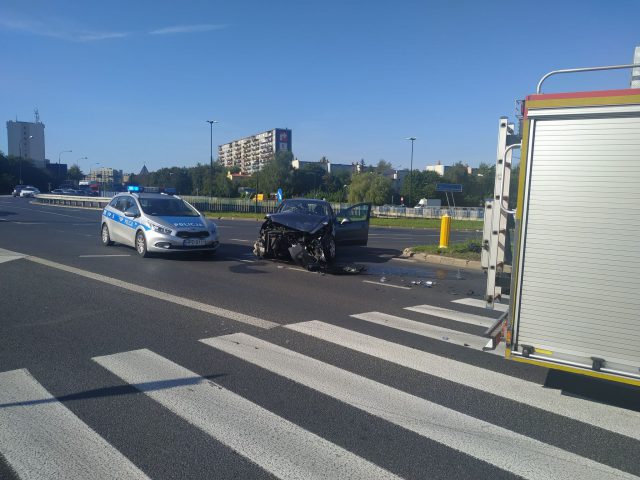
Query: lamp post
pixel 211 122
pixel 413 139
pixel 78 164
pixel 20 163
pixel 63 151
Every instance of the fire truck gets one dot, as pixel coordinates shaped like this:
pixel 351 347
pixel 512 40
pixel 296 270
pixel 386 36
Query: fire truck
pixel 573 280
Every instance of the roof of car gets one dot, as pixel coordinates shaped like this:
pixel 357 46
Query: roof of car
pixel 147 195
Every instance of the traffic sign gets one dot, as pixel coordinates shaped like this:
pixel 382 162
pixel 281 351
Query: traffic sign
pixel 448 187
pixel 279 195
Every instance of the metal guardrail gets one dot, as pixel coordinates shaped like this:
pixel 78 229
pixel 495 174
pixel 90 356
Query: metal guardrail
pixel 457 213
pixel 240 205
pixel 72 200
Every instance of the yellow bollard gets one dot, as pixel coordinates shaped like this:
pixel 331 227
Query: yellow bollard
pixel 445 231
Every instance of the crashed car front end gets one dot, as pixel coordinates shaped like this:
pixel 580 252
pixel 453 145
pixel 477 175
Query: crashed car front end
pixel 308 240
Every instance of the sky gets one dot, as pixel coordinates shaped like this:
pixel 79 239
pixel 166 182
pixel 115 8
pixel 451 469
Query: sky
pixel 128 83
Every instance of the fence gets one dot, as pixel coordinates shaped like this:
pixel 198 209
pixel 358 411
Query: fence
pixel 217 204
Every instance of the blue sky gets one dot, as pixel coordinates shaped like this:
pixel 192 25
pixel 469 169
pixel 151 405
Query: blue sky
pixel 132 83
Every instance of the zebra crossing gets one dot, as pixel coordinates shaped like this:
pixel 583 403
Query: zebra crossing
pixel 40 437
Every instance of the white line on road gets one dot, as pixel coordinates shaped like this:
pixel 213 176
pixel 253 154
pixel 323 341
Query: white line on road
pixel 453 315
pixel 41 438
pixel 476 302
pixel 272 442
pixel 167 297
pixel 477 438
pixel 8 255
pixel 424 329
pixel 100 256
pixel 238 240
pixel 617 420
pixel 386 285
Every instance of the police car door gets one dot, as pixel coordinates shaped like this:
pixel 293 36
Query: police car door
pixel 120 231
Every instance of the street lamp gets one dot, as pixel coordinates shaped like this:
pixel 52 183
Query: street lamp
pixel 211 122
pixel 20 147
pixel 413 139
pixel 78 164
pixel 63 151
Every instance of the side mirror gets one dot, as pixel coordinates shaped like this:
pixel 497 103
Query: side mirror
pixel 344 220
pixel 131 214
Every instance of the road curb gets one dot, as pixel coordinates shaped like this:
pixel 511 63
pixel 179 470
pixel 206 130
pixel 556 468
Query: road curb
pixel 442 260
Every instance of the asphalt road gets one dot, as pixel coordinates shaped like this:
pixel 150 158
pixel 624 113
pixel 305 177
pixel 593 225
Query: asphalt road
pixel 104 372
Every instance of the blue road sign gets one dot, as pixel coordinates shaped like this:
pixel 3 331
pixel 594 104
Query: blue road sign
pixel 279 194
pixel 448 187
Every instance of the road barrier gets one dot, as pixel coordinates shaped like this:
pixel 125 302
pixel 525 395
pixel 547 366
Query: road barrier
pixel 244 205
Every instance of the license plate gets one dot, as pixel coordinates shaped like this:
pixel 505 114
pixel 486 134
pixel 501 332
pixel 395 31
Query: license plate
pixel 194 242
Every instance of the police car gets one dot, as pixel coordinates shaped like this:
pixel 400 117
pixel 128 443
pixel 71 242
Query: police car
pixel 156 222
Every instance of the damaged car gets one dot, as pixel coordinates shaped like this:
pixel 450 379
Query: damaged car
pixel 308 230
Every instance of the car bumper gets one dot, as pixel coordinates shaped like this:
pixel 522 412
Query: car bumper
pixel 159 242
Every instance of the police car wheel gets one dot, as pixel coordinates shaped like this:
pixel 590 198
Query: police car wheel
pixel 141 245
pixel 105 237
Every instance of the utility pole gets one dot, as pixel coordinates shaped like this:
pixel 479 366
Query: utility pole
pixel 413 139
pixel 211 122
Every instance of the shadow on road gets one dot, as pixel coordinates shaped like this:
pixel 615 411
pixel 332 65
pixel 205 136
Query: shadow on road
pixel 595 389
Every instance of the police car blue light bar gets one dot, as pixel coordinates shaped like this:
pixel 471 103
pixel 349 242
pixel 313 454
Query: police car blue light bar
pixel 134 188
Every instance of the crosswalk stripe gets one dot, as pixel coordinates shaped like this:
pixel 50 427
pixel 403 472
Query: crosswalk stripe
pixel 617 420
pixel 424 329
pixel 453 315
pixel 275 444
pixel 477 438
pixel 41 438
pixel 476 302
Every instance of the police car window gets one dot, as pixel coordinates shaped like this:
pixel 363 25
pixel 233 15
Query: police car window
pixel 113 203
pixel 121 204
pixel 132 207
pixel 167 206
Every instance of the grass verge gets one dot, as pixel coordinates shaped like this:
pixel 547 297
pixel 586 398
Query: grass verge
pixel 469 250
pixel 457 225
pixel 425 223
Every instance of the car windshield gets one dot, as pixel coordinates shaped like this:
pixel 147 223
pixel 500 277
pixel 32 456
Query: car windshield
pixel 172 207
pixel 311 207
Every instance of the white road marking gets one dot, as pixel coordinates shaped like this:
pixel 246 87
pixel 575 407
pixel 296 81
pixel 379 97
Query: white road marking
pixel 238 240
pixel 617 420
pixel 386 285
pixel 167 297
pixel 453 315
pixel 100 256
pixel 476 302
pixel 485 441
pixel 424 329
pixel 8 255
pixel 275 444
pixel 41 438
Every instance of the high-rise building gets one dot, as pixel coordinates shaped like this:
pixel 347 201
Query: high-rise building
pixel 26 140
pixel 109 178
pixel 252 153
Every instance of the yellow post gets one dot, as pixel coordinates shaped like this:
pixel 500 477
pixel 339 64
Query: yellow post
pixel 445 231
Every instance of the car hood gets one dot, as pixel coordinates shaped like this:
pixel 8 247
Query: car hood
pixel 181 223
pixel 300 221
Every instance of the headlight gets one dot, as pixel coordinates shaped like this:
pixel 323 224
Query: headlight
pixel 159 228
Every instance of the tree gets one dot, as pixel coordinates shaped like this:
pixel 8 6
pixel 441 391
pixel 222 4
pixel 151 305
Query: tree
pixel 383 167
pixel 369 187
pixel 74 173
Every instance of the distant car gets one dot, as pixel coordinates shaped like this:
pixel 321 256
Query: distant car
pixel 157 222
pixel 57 191
pixel 68 191
pixel 16 190
pixel 308 231
pixel 29 192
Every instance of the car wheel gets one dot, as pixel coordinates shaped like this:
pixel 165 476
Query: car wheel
pixel 104 236
pixel 329 248
pixel 141 244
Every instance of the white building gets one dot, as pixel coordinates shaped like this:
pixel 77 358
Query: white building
pixel 252 153
pixel 439 168
pixel 26 140
pixel 107 177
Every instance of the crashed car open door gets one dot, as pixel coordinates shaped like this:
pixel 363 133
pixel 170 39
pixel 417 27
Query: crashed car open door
pixel 352 225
